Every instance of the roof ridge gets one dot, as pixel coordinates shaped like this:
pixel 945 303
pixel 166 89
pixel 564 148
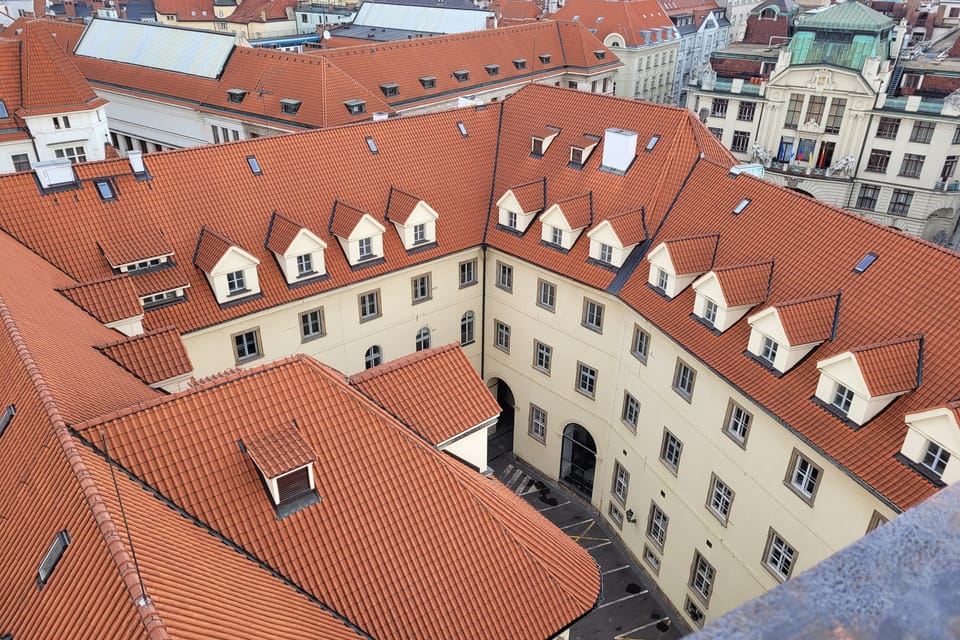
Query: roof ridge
pixel 89 283
pixel 745 265
pixel 889 343
pixel 149 616
pixel 399 363
pixel 813 298
pixel 140 336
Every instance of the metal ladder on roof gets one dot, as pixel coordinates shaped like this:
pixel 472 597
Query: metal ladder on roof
pixel 895 79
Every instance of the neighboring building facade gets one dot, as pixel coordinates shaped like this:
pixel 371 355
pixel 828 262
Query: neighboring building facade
pixel 641 35
pixel 866 131
pixel 703 29
pixel 249 19
pixel 736 410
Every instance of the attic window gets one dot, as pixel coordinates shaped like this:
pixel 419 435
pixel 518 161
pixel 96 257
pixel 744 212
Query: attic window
pixel 372 145
pixel 737 210
pixel 651 143
pixel 355 107
pixel 545 58
pixel 520 63
pixel 428 82
pixel 254 166
pixel 290 106
pixel 52 557
pixel 236 96
pixel 536 146
pixel 576 156
pixel 600 54
pixel 7 416
pixel 163 298
pixel 461 75
pixel 462 128
pixel 3 110
pixel 865 263
pixel 492 69
pixel 285 462
pixel 390 89
pixel 105 189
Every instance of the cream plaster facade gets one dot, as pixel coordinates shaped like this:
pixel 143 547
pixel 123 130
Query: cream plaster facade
pixel 648 71
pixel 75 134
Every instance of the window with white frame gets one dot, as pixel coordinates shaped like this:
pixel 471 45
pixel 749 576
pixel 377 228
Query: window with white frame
pixel 710 311
pixel 779 557
pixel 468 273
pixel 420 288
pixel 592 315
pixel 505 277
pixel 542 356
pixel 720 499
pixel 366 248
pixel 538 423
pixel 586 380
pixel 422 341
pixel 616 515
pixel 373 357
pixel 803 476
pixel 631 411
pixel 684 378
pixel 74 154
pixel 657 523
pixel 662 279
pixel 369 305
pixel 420 233
pixel 702 576
pixel 640 344
pixel 246 346
pixel 511 219
pixel 304 265
pixel 236 283
pixel 670 450
pixel 311 325
pixel 842 398
pixel 621 483
pixel 737 423
pixel 546 295
pixel 501 336
pixel 556 236
pixel 467 328
pixel 768 350
pixel 935 458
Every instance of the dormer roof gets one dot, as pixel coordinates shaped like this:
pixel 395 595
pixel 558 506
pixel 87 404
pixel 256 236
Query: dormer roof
pixel 694 254
pixel 627 226
pixel 809 320
pixel 746 284
pixel 279 450
pixel 133 246
pixel 212 247
pixel 345 219
pixel 153 356
pixel 108 300
pixel 401 206
pixel 894 366
pixel 283 230
pixel 530 196
pixel 577 211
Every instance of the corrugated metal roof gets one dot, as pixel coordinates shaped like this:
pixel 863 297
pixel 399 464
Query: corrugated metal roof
pixel 196 53
pixel 431 20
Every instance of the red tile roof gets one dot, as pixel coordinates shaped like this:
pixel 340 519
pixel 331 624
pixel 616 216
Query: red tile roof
pixel 891 367
pixel 400 206
pixel 809 320
pixel 515 9
pixel 531 196
pixel 746 284
pixel 486 572
pixel 629 18
pixel 187 10
pixel 133 245
pixel 153 356
pixel 456 398
pixel 278 450
pixel 211 247
pixel 578 210
pixel 261 11
pixel 107 300
pixel 693 254
pixel 628 226
pixel 281 232
pixel 344 219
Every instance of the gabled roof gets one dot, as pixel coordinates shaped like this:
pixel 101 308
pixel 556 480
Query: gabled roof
pixel 261 11
pixel 531 196
pixel 210 249
pixel 693 254
pixel 628 226
pixel 809 320
pixel 133 245
pixel 281 232
pixel 344 219
pixel 746 284
pixel 843 16
pixel 278 450
pixel 400 205
pixel 894 366
pixel 107 300
pixel 187 10
pixel 578 210
pixel 435 391
pixel 632 19
pixel 153 356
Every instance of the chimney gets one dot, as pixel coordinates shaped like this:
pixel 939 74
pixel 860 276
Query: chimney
pixel 619 150
pixel 136 161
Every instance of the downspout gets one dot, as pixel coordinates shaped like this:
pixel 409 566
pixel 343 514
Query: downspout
pixel 483 251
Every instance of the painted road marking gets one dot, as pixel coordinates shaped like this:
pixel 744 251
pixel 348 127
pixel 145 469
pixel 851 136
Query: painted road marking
pixel 623 636
pixel 597 546
pixel 632 595
pixel 562 504
pixel 565 527
pixel 606 573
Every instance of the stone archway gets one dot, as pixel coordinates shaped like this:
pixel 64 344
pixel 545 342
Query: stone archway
pixel 578 459
pixel 501 436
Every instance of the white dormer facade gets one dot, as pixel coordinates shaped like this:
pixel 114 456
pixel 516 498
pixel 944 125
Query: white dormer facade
pixel 420 227
pixel 930 434
pixel 766 327
pixel 234 276
pixel 606 246
pixel 273 484
pixel 511 214
pixel 540 142
pixel 129 327
pixel 663 275
pixel 62 135
pixel 554 226
pixel 304 258
pixel 843 387
pixel 365 241
pixel 143 265
pixel 711 306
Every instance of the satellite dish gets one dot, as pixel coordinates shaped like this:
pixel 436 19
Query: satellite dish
pixel 326 35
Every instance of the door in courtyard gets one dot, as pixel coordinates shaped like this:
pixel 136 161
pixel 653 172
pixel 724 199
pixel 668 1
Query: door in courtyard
pixel 578 459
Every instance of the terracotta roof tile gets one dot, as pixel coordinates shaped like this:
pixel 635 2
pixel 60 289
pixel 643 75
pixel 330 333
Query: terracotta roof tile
pixel 457 397
pixel 401 205
pixel 281 232
pixel 810 319
pixel 211 247
pixel 578 210
pixel 187 10
pixel 531 195
pixel 133 246
pixel 628 226
pixel 107 300
pixel 344 219
pixel 892 366
pixel 10 85
pixel 693 254
pixel 153 356
pixel 515 9
pixel 261 11
pixel 628 18
pixel 278 450
pixel 746 284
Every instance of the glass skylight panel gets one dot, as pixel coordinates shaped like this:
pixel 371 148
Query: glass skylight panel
pixel 372 145
pixel 865 263
pixel 254 165
pixel 3 110
pixel 462 128
pixel 652 143
pixel 737 210
pixel 7 417
pixel 105 189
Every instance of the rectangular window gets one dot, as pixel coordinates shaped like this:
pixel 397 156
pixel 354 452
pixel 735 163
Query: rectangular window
pixel 956 135
pixel 793 110
pixel 935 458
pixel 246 346
pixel 6 417
pixel 556 236
pixel 741 141
pixel 369 305
pixel 420 289
pixel 684 378
pixel 737 423
pixel 922 131
pixel 815 109
pixel 719 499
pixel 717 132
pixel 835 117
pixel 719 108
pixel 912 165
pixel 702 575
pixel 505 277
pixel 768 350
pixel 592 316
pixel 311 325
pixel 710 311
pixel 640 344
pixel 803 476
pixel 867 199
pixel 586 380
pixel 21 162
pixel 538 423
pixel 878 161
pixel 501 338
pixel 631 411
pixel 949 168
pixel 621 483
pixel 657 523
pixel 468 273
pixel 419 233
pixel 236 282
pixel 366 248
pixel 693 612
pixel 746 111
pixel 779 557
pixel 652 559
pixel 606 253
pixel 900 202
pixel 52 557
pixel 662 279
pixel 542 356
pixel 887 128
pixel 546 295
pixel 467 321
pixel 616 516
pixel 74 154
pixel 842 397
pixel 670 451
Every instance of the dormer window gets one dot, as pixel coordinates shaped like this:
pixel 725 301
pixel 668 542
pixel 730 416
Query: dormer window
pixel 289 106
pixel 360 235
pixel 520 64
pixel 511 219
pixel 285 462
pixel 662 279
pixel 236 96
pixel 600 54
pixel 768 350
pixel 299 252
pixel 710 311
pixel 726 294
pixel 492 69
pixel 536 146
pixel 414 220
pixel 304 265
pixel 675 264
pixel 419 233
pixel 231 271
pixel 461 75
pixel 545 58
pixel 540 142
pixel 519 205
pixel 556 236
pixel 236 283
pixel 576 156
pixel 390 89
pixel 606 253
pixel 782 335
pixel 355 107
pixel 842 399
pixel 932 444
pixel 935 458
pixel 163 298
pixel 428 82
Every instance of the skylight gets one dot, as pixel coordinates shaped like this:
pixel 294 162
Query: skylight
pixel 105 189
pixel 652 142
pixel 3 110
pixel 462 128
pixel 865 263
pixel 7 417
pixel 372 145
pixel 545 58
pixel 254 166
pixel 737 210
pixel 52 557
pixel 428 82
